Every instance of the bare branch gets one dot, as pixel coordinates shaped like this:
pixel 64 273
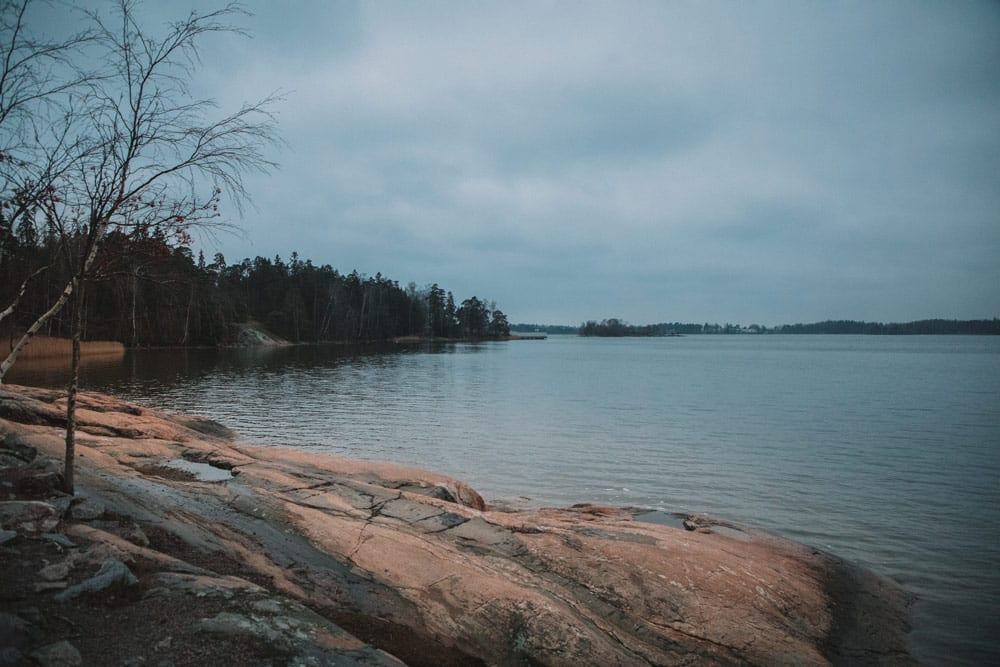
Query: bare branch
pixel 11 357
pixel 28 75
pixel 9 310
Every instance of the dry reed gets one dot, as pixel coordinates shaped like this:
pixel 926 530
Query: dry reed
pixel 44 347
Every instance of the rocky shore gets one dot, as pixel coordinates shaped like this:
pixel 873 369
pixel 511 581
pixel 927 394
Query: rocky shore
pixel 183 547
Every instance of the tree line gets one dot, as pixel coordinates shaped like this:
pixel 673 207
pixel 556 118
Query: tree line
pixel 614 327
pixel 146 291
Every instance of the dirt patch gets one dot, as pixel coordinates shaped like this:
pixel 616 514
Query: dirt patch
pixel 122 624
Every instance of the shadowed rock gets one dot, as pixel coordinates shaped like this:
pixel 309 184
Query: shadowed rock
pixel 112 573
pixel 59 654
pixel 32 516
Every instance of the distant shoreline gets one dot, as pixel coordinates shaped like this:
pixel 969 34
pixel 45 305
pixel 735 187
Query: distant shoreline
pixel 616 328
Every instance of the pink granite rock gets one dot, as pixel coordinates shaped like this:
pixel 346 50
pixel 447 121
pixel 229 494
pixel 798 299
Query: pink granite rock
pixel 416 564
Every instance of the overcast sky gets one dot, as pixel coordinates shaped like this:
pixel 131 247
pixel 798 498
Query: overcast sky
pixel 763 162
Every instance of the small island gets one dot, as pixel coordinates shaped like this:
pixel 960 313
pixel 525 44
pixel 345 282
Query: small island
pixel 616 328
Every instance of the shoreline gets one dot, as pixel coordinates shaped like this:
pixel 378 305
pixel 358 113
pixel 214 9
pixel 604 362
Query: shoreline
pixel 414 564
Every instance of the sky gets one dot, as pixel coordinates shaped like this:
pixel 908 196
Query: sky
pixel 766 162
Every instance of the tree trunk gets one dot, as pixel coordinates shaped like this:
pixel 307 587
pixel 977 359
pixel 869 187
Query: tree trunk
pixel 327 314
pixel 361 317
pixel 57 306
pixel 11 357
pixel 74 384
pixel 135 290
pixel 187 316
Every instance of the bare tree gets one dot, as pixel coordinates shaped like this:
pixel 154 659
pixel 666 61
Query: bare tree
pixel 38 76
pixel 146 154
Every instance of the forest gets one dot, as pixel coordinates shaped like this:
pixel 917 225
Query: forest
pixel 147 291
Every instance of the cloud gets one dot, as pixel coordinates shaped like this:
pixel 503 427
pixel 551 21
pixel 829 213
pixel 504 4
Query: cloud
pixel 648 160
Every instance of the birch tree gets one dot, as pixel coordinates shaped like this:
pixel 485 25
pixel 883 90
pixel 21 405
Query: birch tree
pixel 146 155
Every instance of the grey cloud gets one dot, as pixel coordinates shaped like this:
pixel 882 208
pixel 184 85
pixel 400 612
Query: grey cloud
pixel 651 161
pixel 560 129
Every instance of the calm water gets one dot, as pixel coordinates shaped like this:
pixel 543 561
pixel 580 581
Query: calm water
pixel 885 450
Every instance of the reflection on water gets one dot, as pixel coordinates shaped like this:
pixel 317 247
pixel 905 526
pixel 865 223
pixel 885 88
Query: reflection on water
pixel 164 368
pixel 885 450
pixel 54 371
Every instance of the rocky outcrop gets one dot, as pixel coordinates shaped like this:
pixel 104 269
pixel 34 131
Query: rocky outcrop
pixel 251 334
pixel 319 557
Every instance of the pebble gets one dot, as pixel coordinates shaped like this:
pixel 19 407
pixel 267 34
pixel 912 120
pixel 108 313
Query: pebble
pixel 55 572
pixel 42 586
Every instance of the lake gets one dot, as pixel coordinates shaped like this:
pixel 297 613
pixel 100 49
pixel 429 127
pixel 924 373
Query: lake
pixel 881 449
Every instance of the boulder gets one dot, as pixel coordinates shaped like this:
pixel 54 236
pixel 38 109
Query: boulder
pixel 87 509
pixel 56 571
pixel 32 516
pixel 59 539
pixel 14 452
